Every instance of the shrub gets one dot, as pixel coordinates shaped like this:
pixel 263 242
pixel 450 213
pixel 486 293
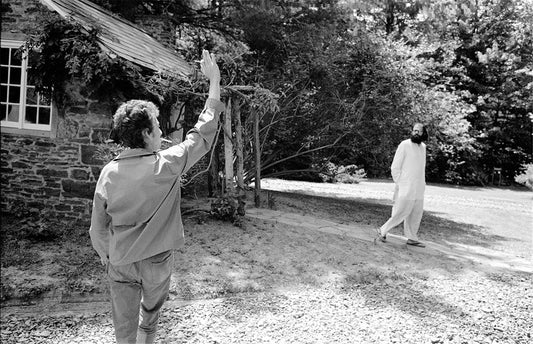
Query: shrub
pixel 350 174
pixel 526 178
pixel 228 208
pixel 33 224
pixel 44 227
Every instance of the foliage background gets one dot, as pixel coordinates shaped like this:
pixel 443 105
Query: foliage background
pixel 343 80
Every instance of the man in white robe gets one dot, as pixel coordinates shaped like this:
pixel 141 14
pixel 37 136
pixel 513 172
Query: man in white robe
pixel 408 172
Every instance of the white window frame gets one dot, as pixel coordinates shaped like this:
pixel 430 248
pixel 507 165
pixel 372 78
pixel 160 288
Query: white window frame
pixel 21 124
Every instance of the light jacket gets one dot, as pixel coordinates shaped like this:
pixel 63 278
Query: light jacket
pixel 136 207
pixel 408 170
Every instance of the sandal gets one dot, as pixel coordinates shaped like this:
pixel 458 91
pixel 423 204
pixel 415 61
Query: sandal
pixel 382 238
pixel 415 243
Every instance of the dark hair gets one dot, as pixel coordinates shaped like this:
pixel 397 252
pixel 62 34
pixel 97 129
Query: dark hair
pixel 425 134
pixel 130 119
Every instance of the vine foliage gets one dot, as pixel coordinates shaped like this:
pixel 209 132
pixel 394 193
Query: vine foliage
pixel 63 53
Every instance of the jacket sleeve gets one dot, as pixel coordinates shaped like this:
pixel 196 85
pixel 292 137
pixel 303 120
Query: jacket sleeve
pixel 198 140
pixel 99 230
pixel 397 162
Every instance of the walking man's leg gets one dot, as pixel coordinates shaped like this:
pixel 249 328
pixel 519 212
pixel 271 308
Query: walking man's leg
pixel 155 288
pixel 400 210
pixel 125 302
pixel 412 222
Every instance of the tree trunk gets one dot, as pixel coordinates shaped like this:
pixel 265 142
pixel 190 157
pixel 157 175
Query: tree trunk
pixel 257 151
pixel 389 17
pixel 228 149
pixel 213 179
pixel 239 147
pixel 239 154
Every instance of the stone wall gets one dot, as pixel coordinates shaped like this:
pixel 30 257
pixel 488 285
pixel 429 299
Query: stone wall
pixel 56 174
pixel 45 174
pixel 59 174
pixel 17 13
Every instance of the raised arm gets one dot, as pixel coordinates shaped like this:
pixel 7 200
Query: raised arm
pixel 200 138
pixel 209 68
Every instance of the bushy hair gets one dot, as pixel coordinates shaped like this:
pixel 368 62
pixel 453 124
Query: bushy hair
pixel 130 119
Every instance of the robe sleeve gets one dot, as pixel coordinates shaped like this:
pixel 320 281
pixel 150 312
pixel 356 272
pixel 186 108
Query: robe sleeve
pixel 396 167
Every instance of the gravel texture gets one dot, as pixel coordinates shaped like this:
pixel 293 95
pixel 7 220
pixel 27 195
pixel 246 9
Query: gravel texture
pixel 468 308
pixel 274 283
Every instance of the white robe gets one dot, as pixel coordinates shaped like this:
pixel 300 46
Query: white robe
pixel 408 170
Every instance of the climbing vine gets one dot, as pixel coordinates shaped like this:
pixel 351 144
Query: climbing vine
pixel 63 53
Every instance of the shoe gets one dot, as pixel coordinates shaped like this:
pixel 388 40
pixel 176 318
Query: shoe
pixel 382 238
pixel 415 243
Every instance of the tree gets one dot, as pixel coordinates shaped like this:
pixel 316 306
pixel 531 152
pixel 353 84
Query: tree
pixel 348 78
pixel 491 69
pixel 497 50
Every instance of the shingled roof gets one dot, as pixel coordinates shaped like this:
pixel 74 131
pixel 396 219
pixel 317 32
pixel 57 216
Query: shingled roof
pixel 121 37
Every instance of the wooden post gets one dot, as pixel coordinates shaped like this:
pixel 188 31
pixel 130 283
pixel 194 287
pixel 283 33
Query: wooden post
pixel 176 113
pixel 257 151
pixel 228 150
pixel 214 184
pixel 239 148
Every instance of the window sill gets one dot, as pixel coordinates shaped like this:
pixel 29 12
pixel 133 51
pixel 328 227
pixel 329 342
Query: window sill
pixel 28 132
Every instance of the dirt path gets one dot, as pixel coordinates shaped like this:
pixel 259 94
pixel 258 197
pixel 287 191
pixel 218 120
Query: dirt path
pixel 503 214
pixel 487 258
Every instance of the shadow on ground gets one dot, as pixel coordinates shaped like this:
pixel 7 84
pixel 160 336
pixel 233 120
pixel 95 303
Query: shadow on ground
pixel 434 226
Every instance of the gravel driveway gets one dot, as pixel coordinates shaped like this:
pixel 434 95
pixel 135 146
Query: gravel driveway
pixel 361 293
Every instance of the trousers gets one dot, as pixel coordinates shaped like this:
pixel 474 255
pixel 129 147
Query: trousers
pixel 407 211
pixel 138 291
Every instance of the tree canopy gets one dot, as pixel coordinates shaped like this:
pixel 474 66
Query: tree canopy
pixel 350 77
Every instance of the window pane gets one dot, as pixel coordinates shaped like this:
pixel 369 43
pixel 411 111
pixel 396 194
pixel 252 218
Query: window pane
pixel 31 114
pixel 14 77
pixel 3 112
pixel 43 100
pixel 3 75
pixel 14 94
pixel 31 96
pixel 4 56
pixel 15 58
pixel 3 94
pixel 44 116
pixel 13 115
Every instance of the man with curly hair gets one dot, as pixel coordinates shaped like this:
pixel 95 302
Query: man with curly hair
pixel 136 220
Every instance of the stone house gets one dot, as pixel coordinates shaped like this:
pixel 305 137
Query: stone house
pixel 48 158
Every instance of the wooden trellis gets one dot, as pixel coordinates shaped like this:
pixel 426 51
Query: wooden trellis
pixel 234 148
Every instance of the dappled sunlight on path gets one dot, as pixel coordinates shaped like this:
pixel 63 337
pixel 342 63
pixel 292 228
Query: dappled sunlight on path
pixel 490 258
pixel 489 225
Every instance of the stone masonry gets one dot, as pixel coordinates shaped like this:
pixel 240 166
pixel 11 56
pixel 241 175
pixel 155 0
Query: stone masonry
pixel 47 174
pixel 59 173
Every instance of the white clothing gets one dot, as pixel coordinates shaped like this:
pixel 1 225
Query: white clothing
pixel 408 211
pixel 408 171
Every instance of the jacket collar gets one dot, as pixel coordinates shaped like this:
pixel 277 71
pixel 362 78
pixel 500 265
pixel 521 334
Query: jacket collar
pixel 134 153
